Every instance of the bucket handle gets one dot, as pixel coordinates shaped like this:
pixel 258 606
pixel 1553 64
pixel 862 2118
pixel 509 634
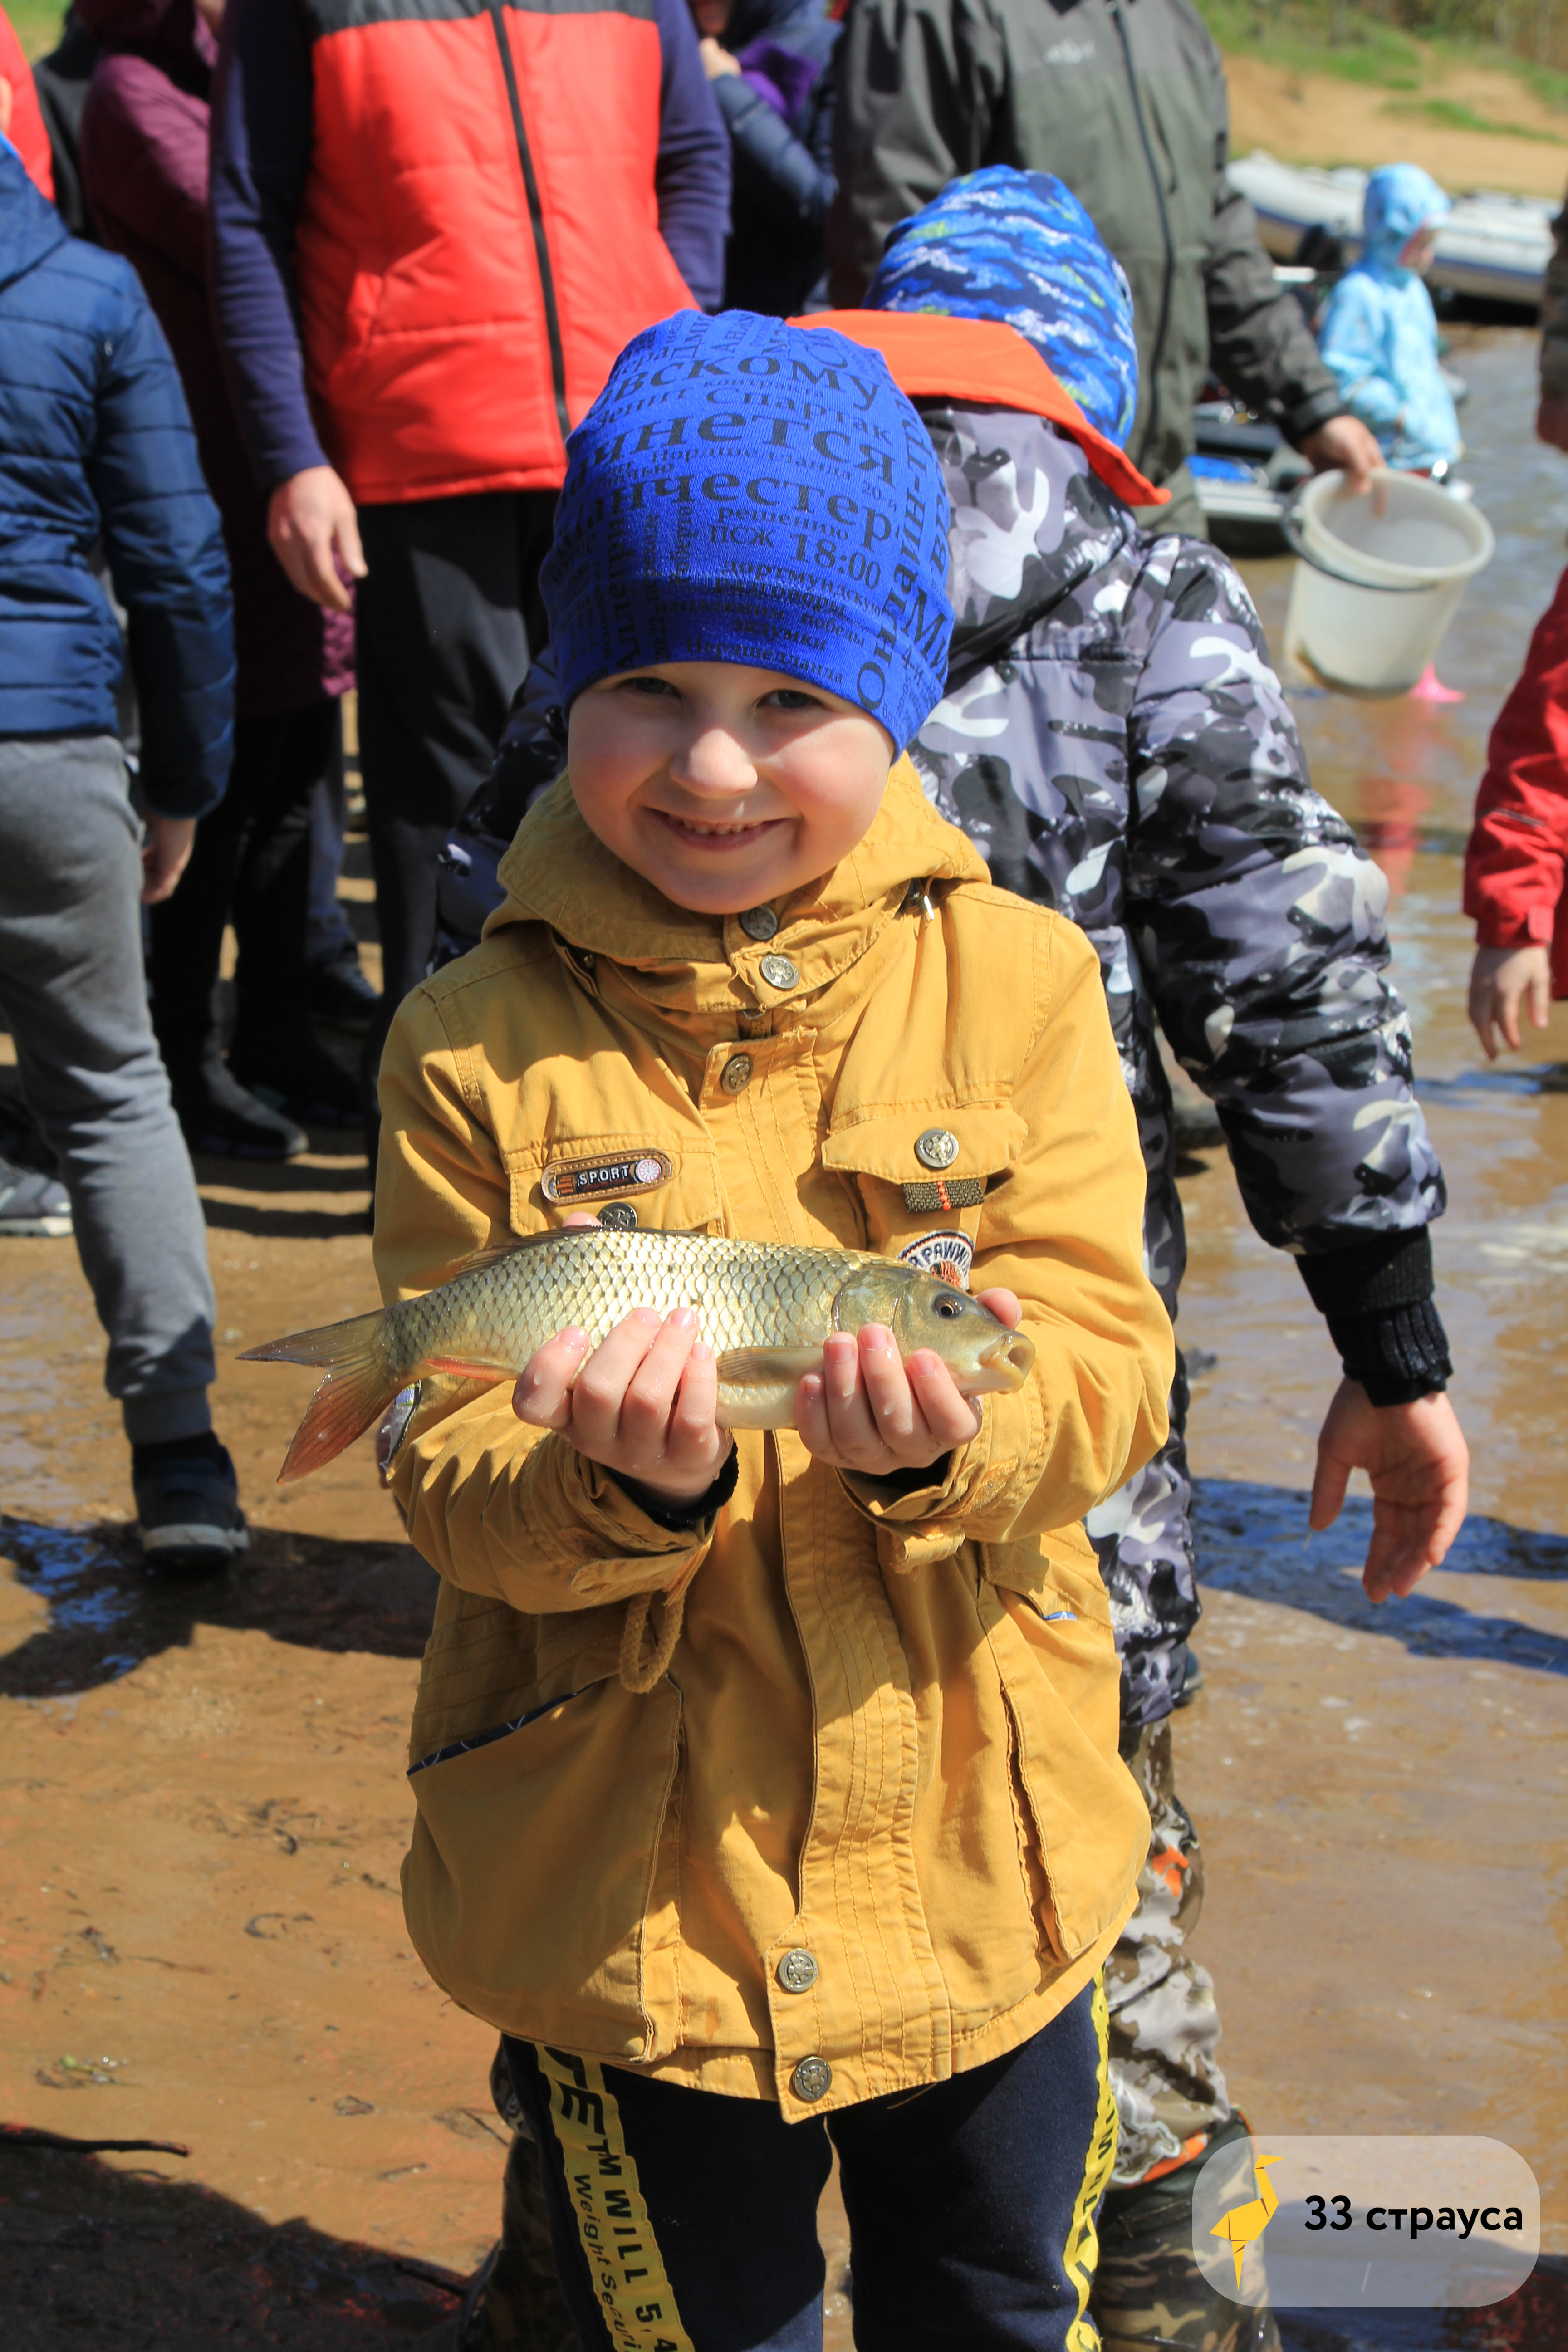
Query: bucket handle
pixel 1292 533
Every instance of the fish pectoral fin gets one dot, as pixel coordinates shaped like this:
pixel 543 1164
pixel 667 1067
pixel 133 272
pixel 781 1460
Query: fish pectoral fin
pixel 467 1368
pixel 766 1367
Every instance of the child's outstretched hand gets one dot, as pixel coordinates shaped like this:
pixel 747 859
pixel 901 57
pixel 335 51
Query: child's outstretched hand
pixel 1501 980
pixel 643 1403
pixel 1419 1465
pixel 868 1411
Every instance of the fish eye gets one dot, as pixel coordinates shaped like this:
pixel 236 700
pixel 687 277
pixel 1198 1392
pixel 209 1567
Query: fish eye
pixel 947 1307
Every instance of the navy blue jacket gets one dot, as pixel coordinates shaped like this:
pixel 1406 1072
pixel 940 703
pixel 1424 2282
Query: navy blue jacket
pixel 783 160
pixel 96 443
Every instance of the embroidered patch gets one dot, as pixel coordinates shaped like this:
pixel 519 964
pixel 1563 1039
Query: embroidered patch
pixel 947 1255
pixel 944 1193
pixel 566 1182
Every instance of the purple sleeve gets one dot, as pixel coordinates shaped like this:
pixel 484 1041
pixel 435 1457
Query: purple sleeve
pixel 262 97
pixel 692 177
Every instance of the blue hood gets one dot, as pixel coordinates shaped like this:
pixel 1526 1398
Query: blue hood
pixel 1400 199
pixel 29 225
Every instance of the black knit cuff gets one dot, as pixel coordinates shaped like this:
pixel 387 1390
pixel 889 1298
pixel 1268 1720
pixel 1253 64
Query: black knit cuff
pixel 1388 1270
pixel 675 1518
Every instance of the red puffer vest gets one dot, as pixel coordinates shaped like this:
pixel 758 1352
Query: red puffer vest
pixel 479 235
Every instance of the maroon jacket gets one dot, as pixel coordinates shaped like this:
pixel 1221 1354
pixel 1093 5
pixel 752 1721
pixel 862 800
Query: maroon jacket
pixel 144 172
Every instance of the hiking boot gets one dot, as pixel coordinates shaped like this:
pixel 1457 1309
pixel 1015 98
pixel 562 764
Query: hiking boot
pixel 217 1117
pixel 1192 1681
pixel 1149 2293
pixel 188 1502
pixel 33 1205
pixel 339 993
pixel 514 2303
pixel 298 1079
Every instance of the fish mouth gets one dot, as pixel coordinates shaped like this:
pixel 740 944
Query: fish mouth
pixel 1007 1361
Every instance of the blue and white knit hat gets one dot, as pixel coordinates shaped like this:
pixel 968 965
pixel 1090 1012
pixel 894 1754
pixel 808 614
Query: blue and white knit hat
pixel 745 492
pixel 1019 246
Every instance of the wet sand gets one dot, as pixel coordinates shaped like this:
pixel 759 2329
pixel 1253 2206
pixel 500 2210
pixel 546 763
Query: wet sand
pixel 202 1801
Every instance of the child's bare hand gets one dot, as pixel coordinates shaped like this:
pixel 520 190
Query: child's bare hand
pixel 643 1403
pixel 1501 978
pixel 1419 1465
pixel 868 1411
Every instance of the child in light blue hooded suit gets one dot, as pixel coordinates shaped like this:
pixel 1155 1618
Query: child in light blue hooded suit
pixel 1379 331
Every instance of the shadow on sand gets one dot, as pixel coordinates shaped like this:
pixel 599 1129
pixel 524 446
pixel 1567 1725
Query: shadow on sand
pixel 1255 1540
pixel 95 2254
pixel 108 1610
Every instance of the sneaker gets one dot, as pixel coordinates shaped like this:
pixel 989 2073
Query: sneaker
pixel 298 1079
pixel 33 1205
pixel 341 994
pixel 1148 2290
pixel 217 1117
pixel 188 1502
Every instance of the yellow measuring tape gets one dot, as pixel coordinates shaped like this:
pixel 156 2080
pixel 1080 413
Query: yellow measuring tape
pixel 623 2260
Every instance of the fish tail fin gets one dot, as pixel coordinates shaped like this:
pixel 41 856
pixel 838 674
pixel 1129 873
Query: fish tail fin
pixel 359 1385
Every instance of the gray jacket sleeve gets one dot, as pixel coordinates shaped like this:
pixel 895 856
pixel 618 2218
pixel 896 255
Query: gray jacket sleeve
pixel 1261 932
pixel 917 84
pixel 1259 344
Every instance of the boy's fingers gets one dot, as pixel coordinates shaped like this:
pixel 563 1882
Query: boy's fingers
pixel 693 1422
pixel 851 1431
pixel 1329 1483
pixel 542 1394
pixel 889 1400
pixel 1006 1304
pixel 650 1394
pixel 948 1419
pixel 601 1385
pixel 1540 999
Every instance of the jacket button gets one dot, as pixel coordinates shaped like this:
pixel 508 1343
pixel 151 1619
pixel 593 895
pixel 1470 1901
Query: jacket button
pixel 798 1971
pixel 736 1074
pixel 812 2079
pixel 779 972
pixel 936 1148
pixel 759 922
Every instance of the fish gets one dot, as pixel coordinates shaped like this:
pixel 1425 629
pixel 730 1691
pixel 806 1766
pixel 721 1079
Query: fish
pixel 765 1310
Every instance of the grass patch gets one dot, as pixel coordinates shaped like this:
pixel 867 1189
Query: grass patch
pixel 1330 36
pixel 1451 114
pixel 38 24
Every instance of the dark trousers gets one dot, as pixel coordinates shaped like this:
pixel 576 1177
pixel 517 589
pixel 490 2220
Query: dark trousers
pixel 447 620
pixel 251 861
pixel 678 2217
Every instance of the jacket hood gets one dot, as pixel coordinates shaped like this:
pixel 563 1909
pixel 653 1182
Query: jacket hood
pixel 29 225
pixel 1400 199
pixel 559 872
pixel 1030 521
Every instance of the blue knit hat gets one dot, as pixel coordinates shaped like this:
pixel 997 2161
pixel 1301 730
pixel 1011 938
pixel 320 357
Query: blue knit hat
pixel 1018 246
pixel 744 491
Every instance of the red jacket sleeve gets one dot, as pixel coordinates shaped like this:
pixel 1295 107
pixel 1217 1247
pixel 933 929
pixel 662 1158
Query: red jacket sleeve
pixel 1518 844
pixel 27 134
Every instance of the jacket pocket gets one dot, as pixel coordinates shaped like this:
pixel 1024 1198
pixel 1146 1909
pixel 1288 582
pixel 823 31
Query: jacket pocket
pixel 526 1887
pixel 903 1203
pixel 1055 1655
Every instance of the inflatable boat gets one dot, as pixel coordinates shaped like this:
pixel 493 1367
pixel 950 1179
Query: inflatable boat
pixel 1492 246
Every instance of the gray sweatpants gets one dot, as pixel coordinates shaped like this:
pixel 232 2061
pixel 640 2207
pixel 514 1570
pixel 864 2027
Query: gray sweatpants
pixel 75 998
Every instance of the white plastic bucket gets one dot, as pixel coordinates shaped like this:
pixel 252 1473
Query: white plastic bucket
pixel 1378 577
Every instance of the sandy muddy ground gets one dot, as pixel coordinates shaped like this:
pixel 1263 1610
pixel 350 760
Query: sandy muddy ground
pixel 202 1802
pixel 1313 118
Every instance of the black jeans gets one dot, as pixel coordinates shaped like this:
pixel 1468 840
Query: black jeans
pixel 680 2216
pixel 251 860
pixel 447 620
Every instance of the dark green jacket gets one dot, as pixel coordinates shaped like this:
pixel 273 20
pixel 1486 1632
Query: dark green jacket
pixel 1125 102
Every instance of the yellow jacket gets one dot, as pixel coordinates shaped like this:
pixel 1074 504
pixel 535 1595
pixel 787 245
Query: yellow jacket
pixel 887 1737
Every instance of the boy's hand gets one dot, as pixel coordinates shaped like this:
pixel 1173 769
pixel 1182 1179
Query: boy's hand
pixel 642 1403
pixel 1419 1465
pixel 1345 442
pixel 868 1411
pixel 313 531
pixel 1500 979
pixel 166 845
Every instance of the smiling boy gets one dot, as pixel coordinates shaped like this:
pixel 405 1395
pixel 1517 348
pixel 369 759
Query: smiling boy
pixel 833 1852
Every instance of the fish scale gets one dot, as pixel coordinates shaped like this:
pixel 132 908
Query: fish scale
pixel 765 1310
